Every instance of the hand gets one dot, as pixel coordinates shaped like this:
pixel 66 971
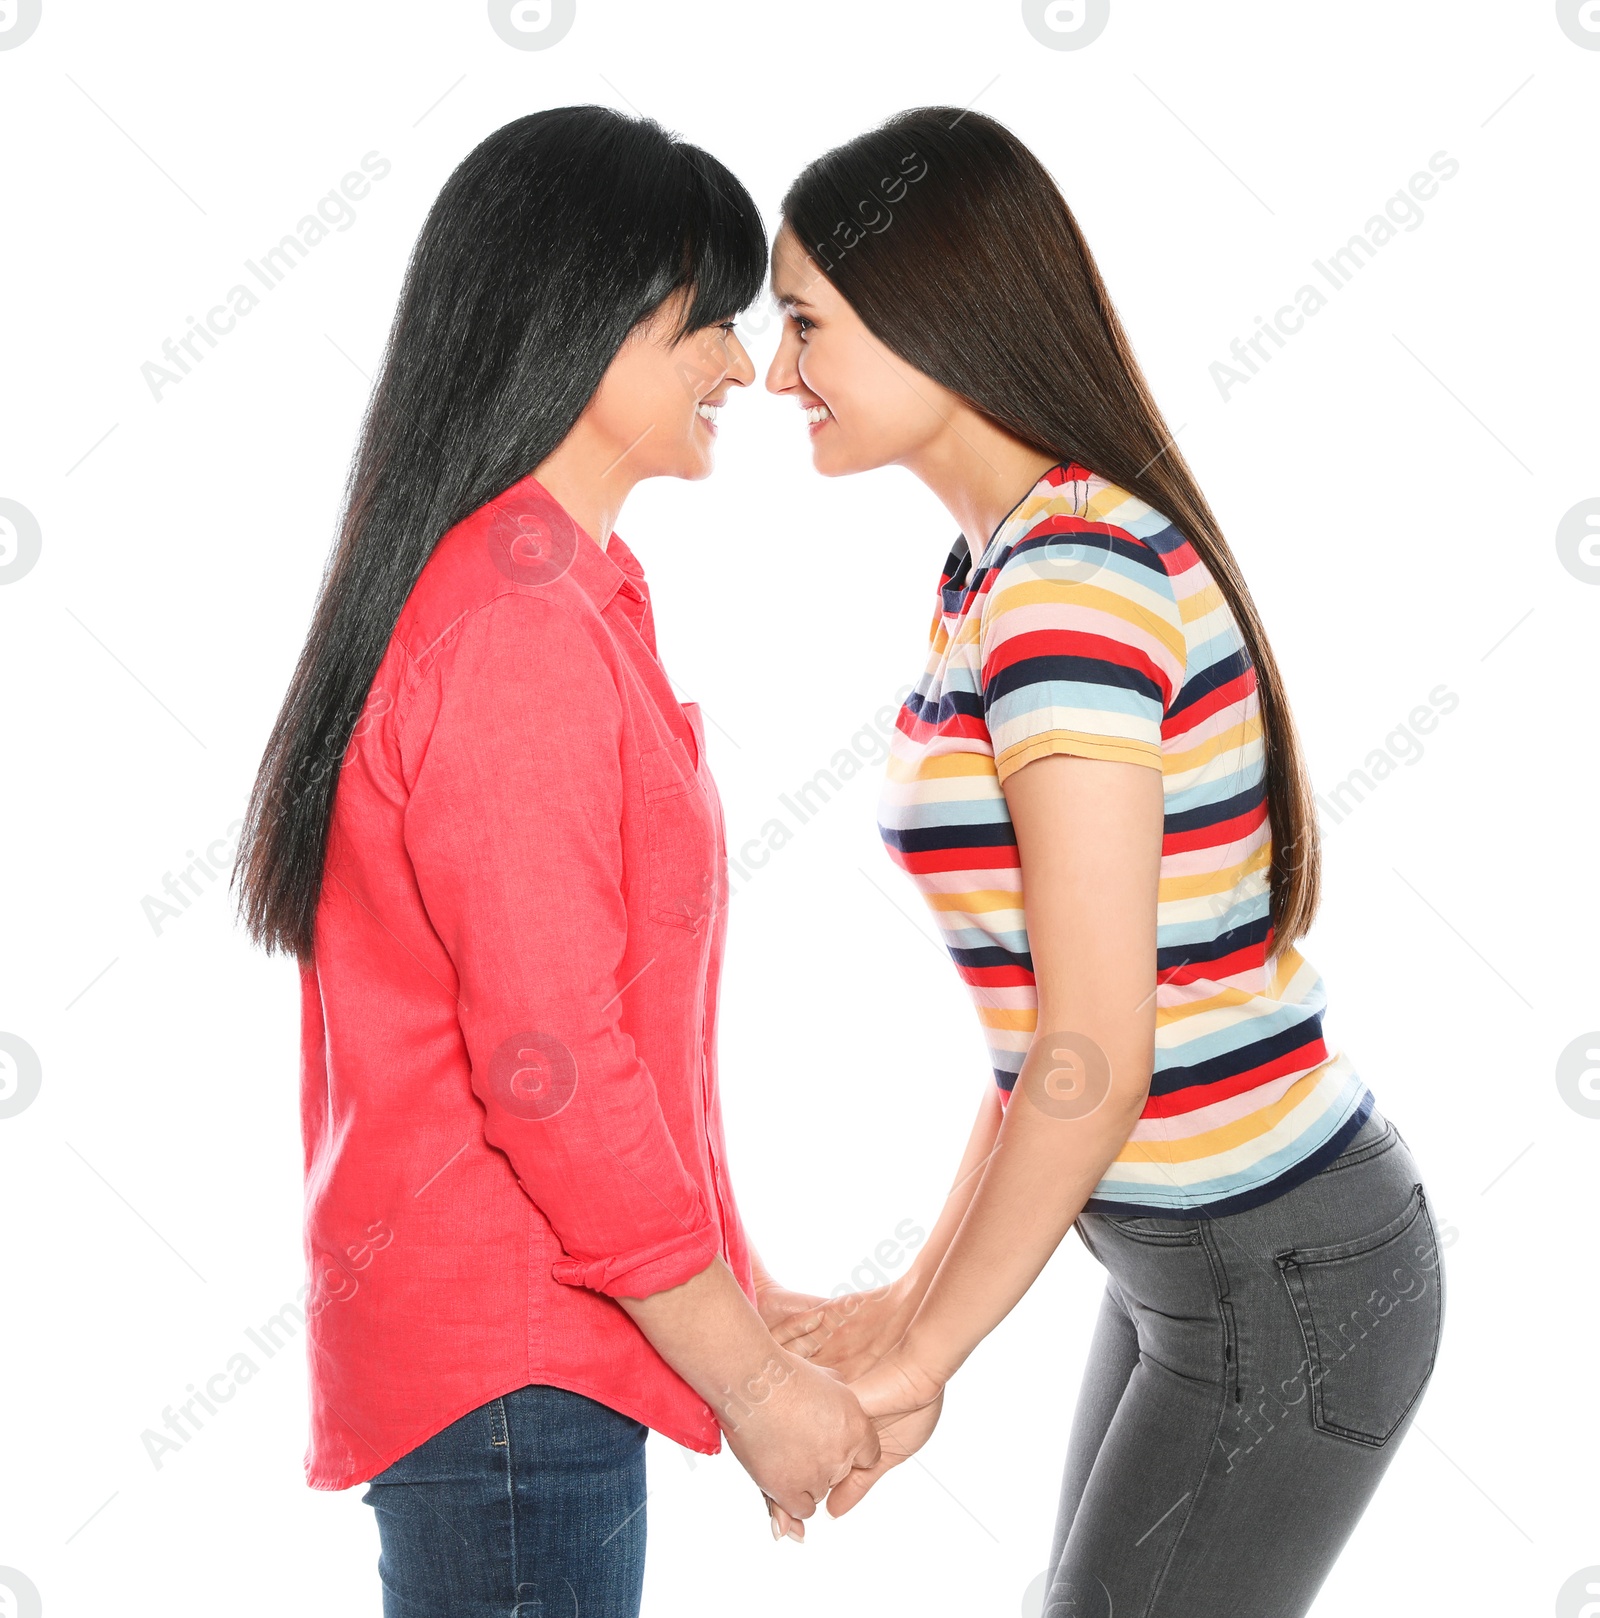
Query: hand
pixel 798 1431
pixel 850 1334
pixel 776 1302
pixel 904 1403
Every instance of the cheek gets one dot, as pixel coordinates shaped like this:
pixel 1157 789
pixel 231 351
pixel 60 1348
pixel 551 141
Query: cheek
pixel 693 377
pixel 668 404
pixel 829 381
pixel 869 400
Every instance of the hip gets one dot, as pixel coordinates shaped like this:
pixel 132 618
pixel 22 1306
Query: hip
pixel 1333 1291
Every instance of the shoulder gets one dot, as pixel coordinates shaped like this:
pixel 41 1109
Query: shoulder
pixel 1096 533
pixel 1087 584
pixel 477 647
pixel 513 681
pixel 1093 547
pixel 470 576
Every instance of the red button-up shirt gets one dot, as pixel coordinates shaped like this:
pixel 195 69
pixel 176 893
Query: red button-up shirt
pixel 509 1083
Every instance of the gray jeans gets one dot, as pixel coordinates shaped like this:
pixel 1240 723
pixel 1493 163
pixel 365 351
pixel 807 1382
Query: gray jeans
pixel 1250 1378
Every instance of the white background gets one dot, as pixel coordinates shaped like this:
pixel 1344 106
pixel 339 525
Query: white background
pixel 1391 482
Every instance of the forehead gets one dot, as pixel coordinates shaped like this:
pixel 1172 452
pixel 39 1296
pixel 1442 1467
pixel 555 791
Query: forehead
pixel 796 276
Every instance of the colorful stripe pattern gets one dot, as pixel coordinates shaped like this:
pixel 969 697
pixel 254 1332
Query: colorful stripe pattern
pixel 1091 626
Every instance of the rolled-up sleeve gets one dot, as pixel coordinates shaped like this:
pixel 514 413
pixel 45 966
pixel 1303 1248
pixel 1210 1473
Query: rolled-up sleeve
pixel 514 833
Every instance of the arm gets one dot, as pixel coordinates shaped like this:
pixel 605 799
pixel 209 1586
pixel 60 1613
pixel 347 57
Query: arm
pixel 514 833
pixel 850 1333
pixel 980 1145
pixel 1089 837
pixel 513 830
pixel 1080 666
pixel 795 1429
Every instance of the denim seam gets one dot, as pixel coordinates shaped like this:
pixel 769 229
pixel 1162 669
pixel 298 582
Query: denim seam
pixel 1224 1290
pixel 1364 1154
pixel 1333 1252
pixel 1214 1262
pixel 1153 1238
pixel 511 1510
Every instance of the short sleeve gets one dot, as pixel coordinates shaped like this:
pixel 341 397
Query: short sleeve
pixel 1082 648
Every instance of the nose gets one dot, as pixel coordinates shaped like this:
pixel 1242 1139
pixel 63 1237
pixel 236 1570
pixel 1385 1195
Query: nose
pixel 784 372
pixel 741 369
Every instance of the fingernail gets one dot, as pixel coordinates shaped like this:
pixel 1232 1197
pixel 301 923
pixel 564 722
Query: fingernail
pixel 796 1536
pixel 777 1532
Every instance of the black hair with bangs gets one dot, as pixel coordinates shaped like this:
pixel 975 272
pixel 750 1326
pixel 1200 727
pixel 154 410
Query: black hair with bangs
pixel 553 238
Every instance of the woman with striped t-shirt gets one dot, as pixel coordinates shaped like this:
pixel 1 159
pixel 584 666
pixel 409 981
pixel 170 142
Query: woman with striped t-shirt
pixel 1097 788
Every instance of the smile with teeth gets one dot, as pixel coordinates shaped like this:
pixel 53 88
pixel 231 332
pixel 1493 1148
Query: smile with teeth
pixel 709 412
pixel 816 414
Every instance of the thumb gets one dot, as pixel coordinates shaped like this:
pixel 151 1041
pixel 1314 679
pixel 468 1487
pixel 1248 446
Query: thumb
pixel 870 1451
pixel 853 1490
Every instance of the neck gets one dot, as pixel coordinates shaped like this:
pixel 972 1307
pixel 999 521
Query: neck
pixel 979 471
pixel 586 476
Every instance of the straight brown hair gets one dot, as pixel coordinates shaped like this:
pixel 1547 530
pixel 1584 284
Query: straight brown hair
pixel 954 245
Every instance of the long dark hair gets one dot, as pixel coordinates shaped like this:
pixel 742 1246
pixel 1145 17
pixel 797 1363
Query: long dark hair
pixel 553 238
pixel 942 222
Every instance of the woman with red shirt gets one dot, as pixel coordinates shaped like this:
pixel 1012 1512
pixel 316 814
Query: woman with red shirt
pixel 485 827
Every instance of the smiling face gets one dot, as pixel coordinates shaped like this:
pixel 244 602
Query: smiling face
pixel 655 411
pixel 865 406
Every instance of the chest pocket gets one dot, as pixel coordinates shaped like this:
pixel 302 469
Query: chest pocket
pixel 682 838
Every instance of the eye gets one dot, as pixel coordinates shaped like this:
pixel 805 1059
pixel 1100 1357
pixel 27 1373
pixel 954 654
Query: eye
pixel 802 325
pixel 729 326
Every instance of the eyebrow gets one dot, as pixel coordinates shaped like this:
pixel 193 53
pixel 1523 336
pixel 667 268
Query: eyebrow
pixel 791 300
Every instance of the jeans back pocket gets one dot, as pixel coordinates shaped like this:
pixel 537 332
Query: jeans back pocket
pixel 1370 1312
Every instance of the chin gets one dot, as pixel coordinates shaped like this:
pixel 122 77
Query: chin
pixel 834 466
pixel 695 461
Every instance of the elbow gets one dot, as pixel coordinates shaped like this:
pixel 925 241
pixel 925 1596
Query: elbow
pixel 1072 1075
pixel 1128 1097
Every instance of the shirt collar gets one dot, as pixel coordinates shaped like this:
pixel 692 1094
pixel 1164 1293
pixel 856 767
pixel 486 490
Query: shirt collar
pixel 1057 491
pixel 601 572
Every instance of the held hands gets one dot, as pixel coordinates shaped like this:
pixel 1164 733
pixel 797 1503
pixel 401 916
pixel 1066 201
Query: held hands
pixel 798 1431
pixel 848 1334
pixel 903 1403
pixel 858 1337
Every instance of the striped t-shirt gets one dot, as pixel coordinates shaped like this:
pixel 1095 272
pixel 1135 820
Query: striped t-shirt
pixel 1091 626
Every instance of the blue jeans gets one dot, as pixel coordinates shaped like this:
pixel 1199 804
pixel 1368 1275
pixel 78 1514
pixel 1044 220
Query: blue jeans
pixel 1251 1378
pixel 530 1506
